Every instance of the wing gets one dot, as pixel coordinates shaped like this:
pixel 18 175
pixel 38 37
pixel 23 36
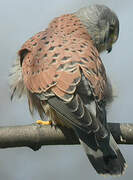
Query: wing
pixel 54 59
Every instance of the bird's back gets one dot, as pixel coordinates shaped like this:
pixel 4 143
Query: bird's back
pixel 55 58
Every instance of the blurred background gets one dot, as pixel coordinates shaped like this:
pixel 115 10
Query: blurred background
pixel 19 20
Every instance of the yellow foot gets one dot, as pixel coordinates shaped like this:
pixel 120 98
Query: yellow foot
pixel 44 122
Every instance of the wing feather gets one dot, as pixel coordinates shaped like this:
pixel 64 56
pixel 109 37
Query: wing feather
pixel 57 58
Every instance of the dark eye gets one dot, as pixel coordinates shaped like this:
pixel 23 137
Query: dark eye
pixel 111 29
pixel 110 34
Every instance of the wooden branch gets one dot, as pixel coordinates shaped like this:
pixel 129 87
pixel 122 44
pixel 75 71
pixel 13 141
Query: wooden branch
pixel 34 135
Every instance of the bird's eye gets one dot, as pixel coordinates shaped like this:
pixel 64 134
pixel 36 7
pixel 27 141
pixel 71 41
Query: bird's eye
pixel 113 33
pixel 111 29
pixel 110 33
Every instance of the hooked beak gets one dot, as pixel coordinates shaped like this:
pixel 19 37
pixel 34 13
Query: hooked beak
pixel 109 49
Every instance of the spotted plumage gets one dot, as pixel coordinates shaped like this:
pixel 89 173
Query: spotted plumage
pixel 63 76
pixel 55 58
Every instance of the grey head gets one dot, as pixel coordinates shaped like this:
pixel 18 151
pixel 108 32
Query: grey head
pixel 102 25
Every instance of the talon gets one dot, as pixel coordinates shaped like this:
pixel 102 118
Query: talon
pixel 44 122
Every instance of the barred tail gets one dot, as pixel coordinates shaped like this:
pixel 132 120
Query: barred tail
pixel 104 162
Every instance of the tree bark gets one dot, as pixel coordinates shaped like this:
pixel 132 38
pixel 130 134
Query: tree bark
pixel 35 136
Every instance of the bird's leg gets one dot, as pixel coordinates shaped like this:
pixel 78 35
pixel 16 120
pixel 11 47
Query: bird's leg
pixel 44 122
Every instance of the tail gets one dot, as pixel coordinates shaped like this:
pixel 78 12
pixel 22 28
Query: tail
pixel 99 145
pixel 107 158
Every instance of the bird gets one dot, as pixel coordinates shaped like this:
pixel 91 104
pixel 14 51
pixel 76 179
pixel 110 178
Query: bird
pixel 60 71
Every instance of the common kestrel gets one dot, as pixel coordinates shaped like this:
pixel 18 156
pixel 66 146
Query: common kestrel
pixel 63 76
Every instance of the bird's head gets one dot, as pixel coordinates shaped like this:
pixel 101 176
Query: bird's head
pixel 102 25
